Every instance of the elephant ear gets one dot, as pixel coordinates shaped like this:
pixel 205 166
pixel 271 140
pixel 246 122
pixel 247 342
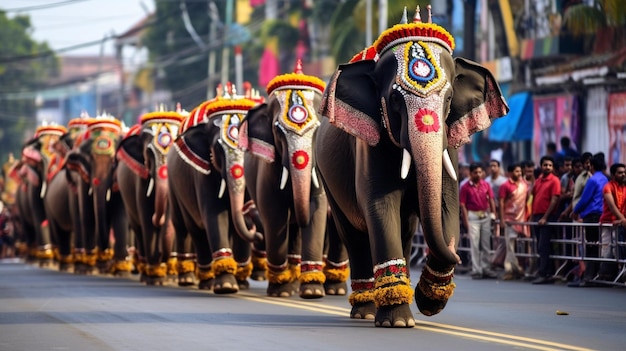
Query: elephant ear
pixel 351 102
pixel 130 151
pixel 255 133
pixel 476 102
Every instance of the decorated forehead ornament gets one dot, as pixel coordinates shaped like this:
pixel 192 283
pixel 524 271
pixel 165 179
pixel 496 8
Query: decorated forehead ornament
pixel 164 125
pixel 99 129
pixel 296 92
pixel 50 129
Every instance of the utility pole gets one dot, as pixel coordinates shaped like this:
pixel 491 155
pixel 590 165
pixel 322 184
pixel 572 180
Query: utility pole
pixel 382 16
pixel 368 23
pixel 213 15
pixel 225 41
pixel 97 80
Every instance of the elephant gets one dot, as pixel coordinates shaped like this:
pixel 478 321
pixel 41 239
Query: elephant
pixel 278 137
pixel 205 162
pixel 92 161
pixel 387 154
pixel 142 180
pixel 37 158
pixel 60 201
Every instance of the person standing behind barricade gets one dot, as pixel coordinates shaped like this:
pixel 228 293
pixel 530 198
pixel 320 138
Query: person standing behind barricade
pixel 495 180
pixel 512 196
pixel 545 194
pixel 478 210
pixel 589 209
pixel 614 193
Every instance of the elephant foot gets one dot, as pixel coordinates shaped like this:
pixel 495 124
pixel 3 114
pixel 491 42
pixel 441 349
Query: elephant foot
pixel 434 288
pixel 66 267
pixel 336 287
pixel 394 316
pixel 84 269
pixel 205 284
pixel 365 310
pixel 225 283
pixel 258 275
pixel 154 280
pixel 46 262
pixel 121 268
pixel 186 279
pixel 104 267
pixel 243 284
pixel 312 290
pixel 281 290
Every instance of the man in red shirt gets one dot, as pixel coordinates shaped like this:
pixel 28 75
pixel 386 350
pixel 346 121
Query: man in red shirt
pixel 613 212
pixel 478 209
pixel 513 197
pixel 546 192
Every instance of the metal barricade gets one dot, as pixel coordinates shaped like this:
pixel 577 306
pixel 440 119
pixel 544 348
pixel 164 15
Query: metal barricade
pixel 568 246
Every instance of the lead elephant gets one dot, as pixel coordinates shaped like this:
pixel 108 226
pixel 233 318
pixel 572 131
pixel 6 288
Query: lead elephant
pixel 142 179
pixel 204 164
pixel 280 135
pixel 387 154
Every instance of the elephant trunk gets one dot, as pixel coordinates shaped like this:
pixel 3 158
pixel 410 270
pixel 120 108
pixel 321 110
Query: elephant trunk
pixel 301 187
pixel 160 197
pixel 427 150
pixel 238 217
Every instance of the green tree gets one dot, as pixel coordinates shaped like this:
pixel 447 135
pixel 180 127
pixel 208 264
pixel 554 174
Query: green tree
pixel 24 65
pixel 348 25
pixel 181 64
pixel 584 19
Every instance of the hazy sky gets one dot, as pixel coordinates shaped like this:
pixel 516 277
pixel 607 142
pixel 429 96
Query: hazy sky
pixel 66 23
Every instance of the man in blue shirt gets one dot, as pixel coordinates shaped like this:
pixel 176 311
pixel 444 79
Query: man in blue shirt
pixel 589 208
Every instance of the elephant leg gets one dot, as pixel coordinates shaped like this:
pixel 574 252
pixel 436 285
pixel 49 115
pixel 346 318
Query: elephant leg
pixel 259 255
pixel 283 253
pixel 224 265
pixel 361 278
pixel 184 250
pixel 336 263
pixel 242 251
pixel 312 277
pixel 118 219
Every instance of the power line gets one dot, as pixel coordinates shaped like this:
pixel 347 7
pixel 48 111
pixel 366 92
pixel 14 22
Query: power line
pixel 42 7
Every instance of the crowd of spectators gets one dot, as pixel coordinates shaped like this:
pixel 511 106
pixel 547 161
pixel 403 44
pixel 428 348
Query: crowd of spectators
pixel 565 187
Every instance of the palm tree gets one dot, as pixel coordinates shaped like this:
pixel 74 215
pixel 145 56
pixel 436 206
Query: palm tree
pixel 348 25
pixel 584 19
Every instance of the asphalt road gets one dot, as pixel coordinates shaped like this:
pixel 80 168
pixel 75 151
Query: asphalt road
pixel 42 309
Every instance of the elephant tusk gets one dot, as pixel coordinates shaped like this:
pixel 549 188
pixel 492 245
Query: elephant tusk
pixel 283 178
pixel 222 189
pixel 150 187
pixel 314 178
pixel 42 193
pixel 108 197
pixel 90 192
pixel 447 163
pixel 406 164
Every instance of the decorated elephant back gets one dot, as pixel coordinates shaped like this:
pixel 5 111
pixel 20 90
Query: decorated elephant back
pixel 38 154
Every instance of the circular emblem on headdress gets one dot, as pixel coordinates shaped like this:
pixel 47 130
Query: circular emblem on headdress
pixel 164 139
pixel 298 113
pixel 233 132
pixel 421 69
